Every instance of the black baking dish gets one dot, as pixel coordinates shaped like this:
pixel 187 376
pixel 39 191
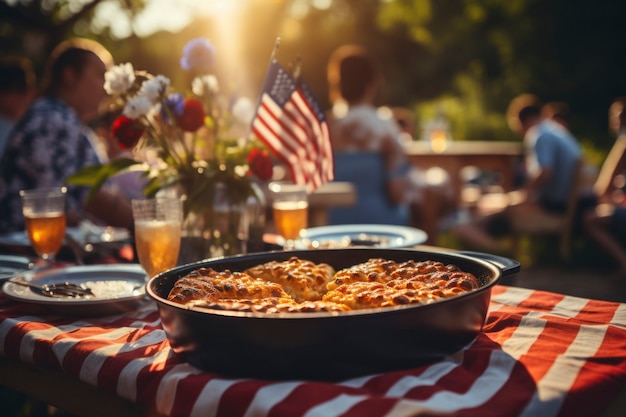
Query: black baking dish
pixel 327 346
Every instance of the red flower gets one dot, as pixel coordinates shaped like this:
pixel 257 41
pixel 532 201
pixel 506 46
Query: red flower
pixel 260 164
pixel 192 117
pixel 127 132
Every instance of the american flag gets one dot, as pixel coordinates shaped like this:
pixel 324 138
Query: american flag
pixel 290 122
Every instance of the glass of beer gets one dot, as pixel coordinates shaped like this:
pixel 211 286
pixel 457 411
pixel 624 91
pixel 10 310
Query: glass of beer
pixel 290 208
pixel 44 217
pixel 158 224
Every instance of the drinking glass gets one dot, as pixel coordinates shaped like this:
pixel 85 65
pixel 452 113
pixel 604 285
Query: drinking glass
pixel 44 217
pixel 290 210
pixel 158 224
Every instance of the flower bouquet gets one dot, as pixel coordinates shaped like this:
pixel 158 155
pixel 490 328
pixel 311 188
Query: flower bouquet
pixel 196 145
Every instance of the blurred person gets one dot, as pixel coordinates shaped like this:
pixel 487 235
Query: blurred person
pixel 606 224
pixel 51 141
pixel 17 90
pixel 615 163
pixel 552 156
pixel 557 111
pixel 393 194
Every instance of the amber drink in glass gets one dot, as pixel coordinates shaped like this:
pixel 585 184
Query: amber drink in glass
pixel 44 218
pixel 157 233
pixel 290 210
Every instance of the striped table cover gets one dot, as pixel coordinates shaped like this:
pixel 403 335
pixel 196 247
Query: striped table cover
pixel 541 354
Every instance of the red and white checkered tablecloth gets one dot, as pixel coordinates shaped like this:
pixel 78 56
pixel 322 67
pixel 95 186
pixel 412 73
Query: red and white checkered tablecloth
pixel 541 354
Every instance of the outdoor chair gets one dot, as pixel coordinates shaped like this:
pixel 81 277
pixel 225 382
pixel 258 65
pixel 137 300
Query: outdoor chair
pixel 540 222
pixel 366 171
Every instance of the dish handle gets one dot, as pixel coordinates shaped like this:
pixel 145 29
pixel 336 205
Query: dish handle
pixel 506 265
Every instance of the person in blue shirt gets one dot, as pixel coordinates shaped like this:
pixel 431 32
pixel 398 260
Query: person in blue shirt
pixel 552 158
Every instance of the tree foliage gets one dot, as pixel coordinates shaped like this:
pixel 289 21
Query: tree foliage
pixel 469 57
pixel 565 50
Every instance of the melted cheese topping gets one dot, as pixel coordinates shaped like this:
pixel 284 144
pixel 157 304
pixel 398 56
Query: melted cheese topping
pixel 374 270
pixel 301 279
pixel 208 285
pixel 299 285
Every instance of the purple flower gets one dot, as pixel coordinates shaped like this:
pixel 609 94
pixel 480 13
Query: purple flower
pixel 198 55
pixel 175 104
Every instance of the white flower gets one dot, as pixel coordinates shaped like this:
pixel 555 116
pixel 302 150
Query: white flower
pixel 243 110
pixel 154 88
pixel 205 84
pixel 119 79
pixel 138 106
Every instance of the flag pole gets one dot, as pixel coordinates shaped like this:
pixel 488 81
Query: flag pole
pixel 296 69
pixel 275 49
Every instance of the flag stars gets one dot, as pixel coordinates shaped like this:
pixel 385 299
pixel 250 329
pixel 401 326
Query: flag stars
pixel 283 87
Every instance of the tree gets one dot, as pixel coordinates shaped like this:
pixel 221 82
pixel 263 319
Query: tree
pixel 469 57
pixel 485 52
pixel 33 28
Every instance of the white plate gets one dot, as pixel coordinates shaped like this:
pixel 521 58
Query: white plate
pixel 371 235
pixel 117 288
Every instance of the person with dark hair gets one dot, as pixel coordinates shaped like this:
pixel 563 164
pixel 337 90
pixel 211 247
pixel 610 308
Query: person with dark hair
pixel 51 142
pixel 552 157
pixel 357 125
pixel 17 89
pixel 369 152
pixel 557 111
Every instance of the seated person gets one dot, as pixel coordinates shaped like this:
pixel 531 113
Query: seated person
pixel 606 224
pixel 557 111
pixel 50 142
pixel 17 88
pixel 360 131
pixel 552 156
pixel 367 172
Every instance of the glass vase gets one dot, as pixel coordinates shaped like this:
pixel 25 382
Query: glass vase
pixel 219 229
pixel 256 214
pixel 230 222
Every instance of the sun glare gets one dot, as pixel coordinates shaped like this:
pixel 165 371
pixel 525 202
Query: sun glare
pixel 168 15
pixel 227 26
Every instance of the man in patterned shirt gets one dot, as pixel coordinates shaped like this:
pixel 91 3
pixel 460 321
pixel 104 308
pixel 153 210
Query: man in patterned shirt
pixel 50 142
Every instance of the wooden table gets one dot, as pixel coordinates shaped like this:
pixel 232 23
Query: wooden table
pixel 492 156
pixel 65 392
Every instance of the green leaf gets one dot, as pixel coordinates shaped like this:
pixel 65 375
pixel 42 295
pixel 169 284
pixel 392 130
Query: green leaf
pixel 95 175
pixel 152 187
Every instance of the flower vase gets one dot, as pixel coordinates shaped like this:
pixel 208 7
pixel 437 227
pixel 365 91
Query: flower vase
pixel 216 230
pixel 256 211
pixel 229 226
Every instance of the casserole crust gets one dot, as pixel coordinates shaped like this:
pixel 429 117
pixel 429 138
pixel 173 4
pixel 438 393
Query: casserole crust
pixel 383 283
pixel 298 285
pixel 303 280
pixel 208 285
